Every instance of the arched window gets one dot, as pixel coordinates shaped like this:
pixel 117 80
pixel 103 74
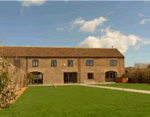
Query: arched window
pixel 110 76
pixel 38 78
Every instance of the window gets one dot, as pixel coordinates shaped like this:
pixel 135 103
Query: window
pixel 70 63
pixel 35 63
pixel 90 76
pixel 89 63
pixel 53 63
pixel 17 62
pixel 113 62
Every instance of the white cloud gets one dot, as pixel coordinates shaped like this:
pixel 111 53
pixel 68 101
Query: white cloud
pixel 112 37
pixel 59 29
pixel 141 15
pixel 2 42
pixel 64 27
pixel 144 21
pixel 145 0
pixel 85 26
pixel 91 41
pixel 25 11
pixel 66 1
pixel 137 47
pixel 28 3
pixel 110 13
pixel 129 66
pixel 88 26
pixel 79 21
pixel 148 61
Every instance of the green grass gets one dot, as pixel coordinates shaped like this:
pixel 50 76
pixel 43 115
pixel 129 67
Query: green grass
pixel 78 101
pixel 130 86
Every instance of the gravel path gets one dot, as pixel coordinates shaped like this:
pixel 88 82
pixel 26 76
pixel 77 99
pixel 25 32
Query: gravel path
pixel 121 89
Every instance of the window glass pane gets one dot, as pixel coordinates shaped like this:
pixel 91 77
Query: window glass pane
pixel 107 74
pixel 53 63
pixel 35 63
pixel 115 62
pixel 90 75
pixel 70 62
pixel 89 62
pixel 111 62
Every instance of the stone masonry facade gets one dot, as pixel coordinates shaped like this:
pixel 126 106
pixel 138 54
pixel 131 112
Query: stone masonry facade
pixel 101 65
pixel 55 74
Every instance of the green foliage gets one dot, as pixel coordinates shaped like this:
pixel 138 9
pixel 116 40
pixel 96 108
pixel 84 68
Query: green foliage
pixel 29 78
pixel 6 92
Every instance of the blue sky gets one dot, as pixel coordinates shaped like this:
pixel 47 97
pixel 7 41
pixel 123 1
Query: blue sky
pixel 125 25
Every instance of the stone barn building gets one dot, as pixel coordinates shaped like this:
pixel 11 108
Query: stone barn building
pixel 67 64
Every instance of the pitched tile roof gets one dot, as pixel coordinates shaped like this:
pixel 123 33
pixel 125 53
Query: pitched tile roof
pixel 20 51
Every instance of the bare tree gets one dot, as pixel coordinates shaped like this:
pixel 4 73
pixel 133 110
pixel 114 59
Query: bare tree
pixel 140 65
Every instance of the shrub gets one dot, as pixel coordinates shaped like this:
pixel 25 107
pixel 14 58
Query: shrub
pixel 6 91
pixel 29 78
pixel 138 75
pixel 11 78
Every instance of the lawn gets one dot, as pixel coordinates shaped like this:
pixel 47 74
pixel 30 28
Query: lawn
pixel 78 101
pixel 128 85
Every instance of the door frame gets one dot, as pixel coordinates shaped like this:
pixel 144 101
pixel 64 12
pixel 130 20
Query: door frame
pixel 68 77
pixel 110 76
pixel 37 79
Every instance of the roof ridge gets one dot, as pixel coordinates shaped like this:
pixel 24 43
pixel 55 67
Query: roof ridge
pixel 57 47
